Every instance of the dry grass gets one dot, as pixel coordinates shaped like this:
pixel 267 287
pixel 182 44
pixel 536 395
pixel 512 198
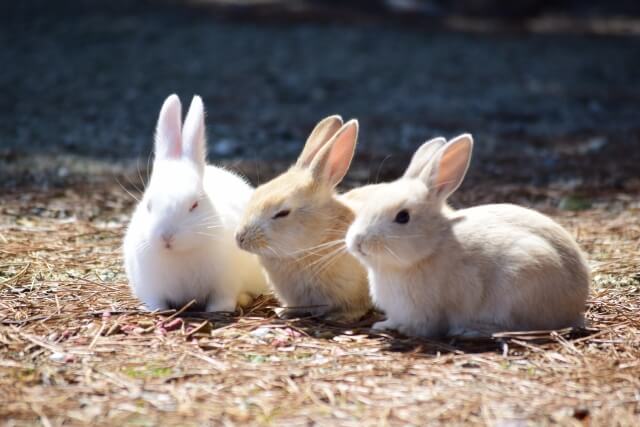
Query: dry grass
pixel 74 348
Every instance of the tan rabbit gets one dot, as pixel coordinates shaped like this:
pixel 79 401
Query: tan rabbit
pixel 296 225
pixel 436 271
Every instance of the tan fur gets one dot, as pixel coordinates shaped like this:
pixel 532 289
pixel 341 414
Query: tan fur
pixel 303 253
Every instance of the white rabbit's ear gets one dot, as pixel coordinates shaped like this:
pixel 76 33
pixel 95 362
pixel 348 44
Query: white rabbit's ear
pixel 332 162
pixel 194 144
pixel 445 173
pixel 168 131
pixel 422 156
pixel 320 135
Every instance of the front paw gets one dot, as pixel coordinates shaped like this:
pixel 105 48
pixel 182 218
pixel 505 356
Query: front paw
pixel 228 305
pixel 344 316
pixel 290 313
pixel 244 299
pixel 385 325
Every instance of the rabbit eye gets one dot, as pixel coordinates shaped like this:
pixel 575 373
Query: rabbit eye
pixel 282 214
pixel 193 206
pixel 402 217
pixel 149 205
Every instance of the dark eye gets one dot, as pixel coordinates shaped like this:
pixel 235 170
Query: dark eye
pixel 193 206
pixel 402 217
pixel 282 214
pixel 149 205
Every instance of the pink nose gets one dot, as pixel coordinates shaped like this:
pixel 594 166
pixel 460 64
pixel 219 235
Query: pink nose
pixel 168 239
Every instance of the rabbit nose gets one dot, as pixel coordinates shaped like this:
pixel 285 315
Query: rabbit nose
pixel 354 241
pixel 358 243
pixel 167 237
pixel 240 237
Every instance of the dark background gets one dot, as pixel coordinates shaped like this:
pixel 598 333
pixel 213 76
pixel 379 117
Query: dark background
pixel 550 90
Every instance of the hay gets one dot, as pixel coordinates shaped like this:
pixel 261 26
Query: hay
pixel 75 349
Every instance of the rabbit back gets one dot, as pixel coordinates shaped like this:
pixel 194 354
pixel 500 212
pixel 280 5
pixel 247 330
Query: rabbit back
pixel 503 267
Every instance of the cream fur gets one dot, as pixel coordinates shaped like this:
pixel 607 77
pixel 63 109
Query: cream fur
pixel 474 271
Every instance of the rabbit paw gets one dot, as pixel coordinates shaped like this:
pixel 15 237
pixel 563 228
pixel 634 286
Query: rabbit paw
pixel 290 313
pixel 385 325
pixel 244 299
pixel 223 304
pixel 344 316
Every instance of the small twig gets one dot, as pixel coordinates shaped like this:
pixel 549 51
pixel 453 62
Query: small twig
pixel 16 276
pixel 215 363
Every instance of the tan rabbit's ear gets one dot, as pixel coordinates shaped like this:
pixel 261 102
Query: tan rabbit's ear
pixel 445 173
pixel 168 138
pixel 194 146
pixel 422 156
pixel 332 162
pixel 320 135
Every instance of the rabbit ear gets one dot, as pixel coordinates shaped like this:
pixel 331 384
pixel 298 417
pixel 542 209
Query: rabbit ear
pixel 332 162
pixel 195 148
pixel 323 131
pixel 422 156
pixel 449 166
pixel 168 134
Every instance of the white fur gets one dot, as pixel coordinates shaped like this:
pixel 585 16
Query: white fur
pixel 474 271
pixel 203 262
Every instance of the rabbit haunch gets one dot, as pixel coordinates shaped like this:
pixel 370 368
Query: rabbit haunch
pixel 179 244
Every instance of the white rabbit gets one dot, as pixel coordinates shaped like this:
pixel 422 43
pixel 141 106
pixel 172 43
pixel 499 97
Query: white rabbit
pixel 180 242
pixel 436 271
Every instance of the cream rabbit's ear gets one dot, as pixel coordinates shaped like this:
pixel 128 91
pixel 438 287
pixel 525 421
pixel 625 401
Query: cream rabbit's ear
pixel 422 156
pixel 194 141
pixel 320 135
pixel 445 173
pixel 168 139
pixel 332 162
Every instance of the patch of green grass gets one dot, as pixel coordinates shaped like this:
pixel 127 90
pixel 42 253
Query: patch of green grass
pixel 256 358
pixel 615 280
pixel 574 202
pixel 143 372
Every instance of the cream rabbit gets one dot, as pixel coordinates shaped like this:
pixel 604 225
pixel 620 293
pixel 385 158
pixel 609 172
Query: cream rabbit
pixel 297 226
pixel 179 244
pixel 436 271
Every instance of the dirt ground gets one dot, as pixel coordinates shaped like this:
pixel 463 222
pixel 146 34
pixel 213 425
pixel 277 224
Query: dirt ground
pixel 76 350
pixel 556 119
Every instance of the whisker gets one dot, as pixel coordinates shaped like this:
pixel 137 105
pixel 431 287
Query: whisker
pixel 320 261
pixel 388 156
pixel 144 186
pixel 127 191
pixel 392 253
pixel 332 259
pixel 274 251
pixel 321 245
pixel 148 161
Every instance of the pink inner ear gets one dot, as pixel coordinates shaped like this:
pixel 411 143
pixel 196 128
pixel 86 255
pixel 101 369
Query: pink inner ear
pixel 453 166
pixel 339 160
pixel 340 156
pixel 176 149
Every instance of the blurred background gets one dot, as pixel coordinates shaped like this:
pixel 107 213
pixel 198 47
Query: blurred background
pixel 549 89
